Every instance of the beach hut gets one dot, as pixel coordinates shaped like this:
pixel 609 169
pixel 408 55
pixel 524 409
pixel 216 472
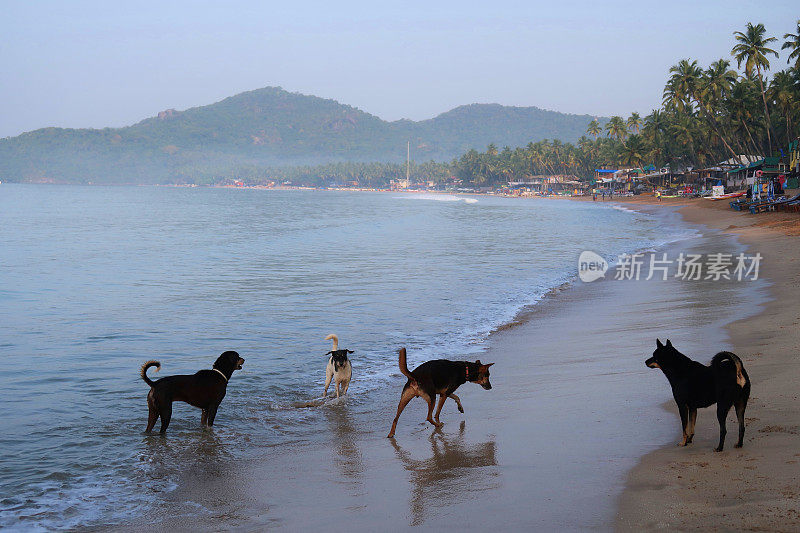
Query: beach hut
pixel 530 184
pixel 744 175
pixel 709 176
pixel 773 166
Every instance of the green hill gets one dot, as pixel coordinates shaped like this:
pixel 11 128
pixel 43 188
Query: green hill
pixel 266 127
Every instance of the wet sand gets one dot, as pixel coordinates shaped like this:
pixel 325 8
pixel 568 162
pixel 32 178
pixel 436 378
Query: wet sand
pixel 572 410
pixel 755 488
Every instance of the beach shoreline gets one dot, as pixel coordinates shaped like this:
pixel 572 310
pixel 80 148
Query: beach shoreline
pixel 753 488
pixel 519 450
pixel 570 438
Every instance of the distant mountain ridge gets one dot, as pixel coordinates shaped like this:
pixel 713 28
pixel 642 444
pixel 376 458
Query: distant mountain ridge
pixel 267 127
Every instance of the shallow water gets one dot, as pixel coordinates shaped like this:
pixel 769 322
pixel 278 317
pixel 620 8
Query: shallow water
pixel 95 280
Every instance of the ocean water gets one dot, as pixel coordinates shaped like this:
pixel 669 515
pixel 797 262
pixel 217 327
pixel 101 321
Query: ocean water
pixel 94 281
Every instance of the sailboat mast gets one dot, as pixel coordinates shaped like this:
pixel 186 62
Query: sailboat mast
pixel 408 160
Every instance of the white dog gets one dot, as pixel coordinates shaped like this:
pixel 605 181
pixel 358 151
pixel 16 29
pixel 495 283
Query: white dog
pixel 338 368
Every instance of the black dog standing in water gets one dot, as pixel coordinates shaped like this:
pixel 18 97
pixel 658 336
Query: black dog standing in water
pixel 205 390
pixel 724 382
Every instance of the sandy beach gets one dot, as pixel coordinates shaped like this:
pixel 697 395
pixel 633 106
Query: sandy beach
pixel 754 488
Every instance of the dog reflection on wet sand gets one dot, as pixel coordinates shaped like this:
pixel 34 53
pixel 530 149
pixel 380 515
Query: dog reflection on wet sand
pixel 453 471
pixel 345 436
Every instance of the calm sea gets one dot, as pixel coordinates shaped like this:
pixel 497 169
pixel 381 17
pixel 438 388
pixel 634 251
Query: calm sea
pixel 94 281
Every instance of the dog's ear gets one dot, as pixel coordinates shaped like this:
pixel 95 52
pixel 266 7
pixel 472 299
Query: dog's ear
pixel 477 361
pixel 487 366
pixel 669 343
pixel 658 343
pixel 350 351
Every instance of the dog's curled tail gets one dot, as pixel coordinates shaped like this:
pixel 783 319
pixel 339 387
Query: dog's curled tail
pixel 146 366
pixel 335 340
pixel 728 357
pixel 404 365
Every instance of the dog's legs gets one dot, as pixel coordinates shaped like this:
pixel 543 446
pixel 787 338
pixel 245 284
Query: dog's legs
pixel 740 405
pixel 442 398
pixel 407 396
pixel 431 400
pixel 204 417
pixel 212 414
pixel 458 402
pixel 328 377
pixel 345 386
pixel 684 412
pixel 338 384
pixel 152 413
pixel 166 415
pixel 690 427
pixel 723 406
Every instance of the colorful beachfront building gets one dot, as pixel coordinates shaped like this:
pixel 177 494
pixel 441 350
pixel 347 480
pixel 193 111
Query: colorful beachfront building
pixel 546 184
pixel 628 179
pixel 769 167
pixel 719 172
pixel 793 157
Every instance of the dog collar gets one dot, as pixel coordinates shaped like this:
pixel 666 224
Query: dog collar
pixel 220 373
pixel 467 369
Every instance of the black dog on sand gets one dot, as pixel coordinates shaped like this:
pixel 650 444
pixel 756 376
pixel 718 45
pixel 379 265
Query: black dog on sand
pixel 724 382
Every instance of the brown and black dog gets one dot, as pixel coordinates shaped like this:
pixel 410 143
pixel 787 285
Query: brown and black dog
pixel 440 377
pixel 205 390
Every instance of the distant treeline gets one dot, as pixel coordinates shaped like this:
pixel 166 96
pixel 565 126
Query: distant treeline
pixel 349 174
pixel 707 115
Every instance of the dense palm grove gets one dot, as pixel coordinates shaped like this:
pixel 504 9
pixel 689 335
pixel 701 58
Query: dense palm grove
pixel 708 114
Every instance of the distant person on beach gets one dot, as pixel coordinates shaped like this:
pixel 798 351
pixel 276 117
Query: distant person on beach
pixel 658 195
pixel 611 194
pixel 594 195
pixel 604 196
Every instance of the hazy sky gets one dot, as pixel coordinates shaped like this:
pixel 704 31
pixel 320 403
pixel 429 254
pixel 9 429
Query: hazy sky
pixel 96 64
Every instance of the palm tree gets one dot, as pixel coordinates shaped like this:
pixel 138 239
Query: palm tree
pixel 631 151
pixel 616 128
pixel 741 103
pixel 682 132
pixel 655 125
pixel 634 123
pixel 594 129
pixel 752 50
pixel 683 87
pixel 793 43
pixel 683 84
pixel 588 148
pixel 671 99
pixel 783 92
pixel 717 82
